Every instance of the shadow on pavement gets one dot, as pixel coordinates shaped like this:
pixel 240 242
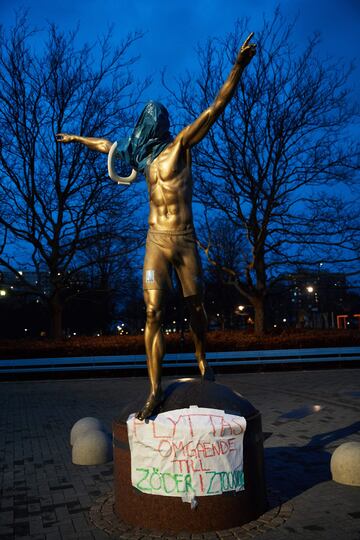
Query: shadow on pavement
pixel 291 470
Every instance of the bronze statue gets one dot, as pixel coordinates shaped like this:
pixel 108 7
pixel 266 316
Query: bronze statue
pixel 166 163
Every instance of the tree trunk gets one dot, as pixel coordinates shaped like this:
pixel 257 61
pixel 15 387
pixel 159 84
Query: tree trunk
pixel 56 312
pixel 259 309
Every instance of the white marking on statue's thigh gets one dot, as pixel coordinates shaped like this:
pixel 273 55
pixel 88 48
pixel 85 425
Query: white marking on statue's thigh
pixel 150 276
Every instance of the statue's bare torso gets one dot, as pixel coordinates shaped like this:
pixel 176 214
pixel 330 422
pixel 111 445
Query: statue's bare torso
pixel 170 190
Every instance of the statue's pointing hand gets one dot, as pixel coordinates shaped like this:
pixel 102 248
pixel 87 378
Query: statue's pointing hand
pixel 64 138
pixel 247 51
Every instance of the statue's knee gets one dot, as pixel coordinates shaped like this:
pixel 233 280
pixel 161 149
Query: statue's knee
pixel 153 314
pixel 192 301
pixel 196 307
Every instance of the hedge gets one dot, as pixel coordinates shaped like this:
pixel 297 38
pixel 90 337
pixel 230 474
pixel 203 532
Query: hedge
pixel 235 340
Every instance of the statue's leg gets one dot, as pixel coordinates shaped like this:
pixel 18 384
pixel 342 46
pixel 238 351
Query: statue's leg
pixel 198 325
pixel 155 349
pixel 188 268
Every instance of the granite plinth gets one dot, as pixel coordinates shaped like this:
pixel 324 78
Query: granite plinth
pixel 230 509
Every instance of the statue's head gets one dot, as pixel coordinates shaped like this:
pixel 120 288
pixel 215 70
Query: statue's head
pixel 153 123
pixel 150 136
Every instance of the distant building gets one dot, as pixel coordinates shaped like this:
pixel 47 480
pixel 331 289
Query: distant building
pixel 28 283
pixel 24 307
pixel 313 300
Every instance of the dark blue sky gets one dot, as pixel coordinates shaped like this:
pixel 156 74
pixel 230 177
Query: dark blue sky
pixel 173 28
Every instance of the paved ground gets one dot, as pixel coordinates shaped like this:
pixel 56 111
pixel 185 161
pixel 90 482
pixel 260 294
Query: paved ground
pixel 44 496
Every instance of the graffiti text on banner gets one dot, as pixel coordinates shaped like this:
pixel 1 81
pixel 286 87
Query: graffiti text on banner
pixel 188 452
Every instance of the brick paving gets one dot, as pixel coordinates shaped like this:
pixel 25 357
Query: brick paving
pixel 103 516
pixel 44 496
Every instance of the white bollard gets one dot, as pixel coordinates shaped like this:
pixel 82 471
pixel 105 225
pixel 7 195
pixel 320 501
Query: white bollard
pixel 83 425
pixel 93 447
pixel 345 464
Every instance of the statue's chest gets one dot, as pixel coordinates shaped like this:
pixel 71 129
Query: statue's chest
pixel 169 174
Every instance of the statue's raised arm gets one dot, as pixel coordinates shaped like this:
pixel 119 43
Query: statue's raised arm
pixel 196 131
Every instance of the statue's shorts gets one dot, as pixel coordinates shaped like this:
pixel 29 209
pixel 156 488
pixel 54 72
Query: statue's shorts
pixel 167 250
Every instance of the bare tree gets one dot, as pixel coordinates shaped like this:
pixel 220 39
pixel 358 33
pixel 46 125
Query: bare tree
pixel 281 161
pixel 56 202
pixel 225 263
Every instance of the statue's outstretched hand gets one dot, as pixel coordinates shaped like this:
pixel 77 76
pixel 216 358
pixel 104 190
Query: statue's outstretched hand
pixel 247 51
pixel 64 138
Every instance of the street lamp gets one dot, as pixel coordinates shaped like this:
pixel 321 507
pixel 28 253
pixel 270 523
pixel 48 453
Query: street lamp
pixel 310 289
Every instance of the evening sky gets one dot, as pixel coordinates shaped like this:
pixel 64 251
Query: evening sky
pixel 174 28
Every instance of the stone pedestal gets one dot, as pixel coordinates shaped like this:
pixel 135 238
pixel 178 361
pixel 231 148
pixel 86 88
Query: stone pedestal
pixel 216 512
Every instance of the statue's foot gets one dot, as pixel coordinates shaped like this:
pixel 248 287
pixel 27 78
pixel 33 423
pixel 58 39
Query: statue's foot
pixel 153 401
pixel 207 373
